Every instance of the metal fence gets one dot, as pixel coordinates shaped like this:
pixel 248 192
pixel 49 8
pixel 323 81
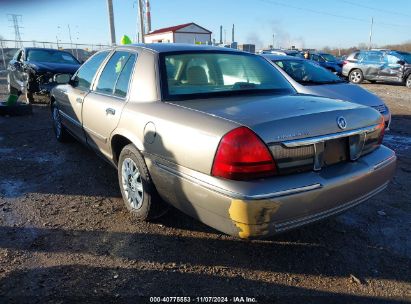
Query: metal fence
pixel 81 51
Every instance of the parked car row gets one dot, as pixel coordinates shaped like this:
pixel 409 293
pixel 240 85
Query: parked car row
pixel 309 78
pixel 224 135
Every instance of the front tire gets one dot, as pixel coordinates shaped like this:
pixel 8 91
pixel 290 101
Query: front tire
pixel 408 82
pixel 356 76
pixel 139 193
pixel 59 130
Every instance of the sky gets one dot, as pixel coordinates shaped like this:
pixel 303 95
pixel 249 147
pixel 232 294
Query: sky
pixel 308 24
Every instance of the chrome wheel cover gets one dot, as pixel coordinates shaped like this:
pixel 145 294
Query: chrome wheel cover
pixel 355 76
pixel 57 121
pixel 408 84
pixel 132 183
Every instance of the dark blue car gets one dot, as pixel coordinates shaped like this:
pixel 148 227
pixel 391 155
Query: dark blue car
pixel 327 61
pixel 31 70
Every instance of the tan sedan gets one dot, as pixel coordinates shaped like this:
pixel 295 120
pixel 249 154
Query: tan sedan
pixel 221 135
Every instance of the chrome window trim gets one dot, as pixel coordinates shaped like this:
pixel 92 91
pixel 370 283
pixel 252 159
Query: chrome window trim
pixel 322 138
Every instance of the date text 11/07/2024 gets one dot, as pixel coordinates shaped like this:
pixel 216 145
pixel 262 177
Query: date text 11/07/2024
pixel 203 300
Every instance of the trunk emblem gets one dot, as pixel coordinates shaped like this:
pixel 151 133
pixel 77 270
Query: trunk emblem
pixel 341 122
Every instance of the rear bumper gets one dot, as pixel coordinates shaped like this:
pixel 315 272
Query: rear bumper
pixel 265 207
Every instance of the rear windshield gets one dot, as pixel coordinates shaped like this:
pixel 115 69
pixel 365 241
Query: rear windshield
pixel 307 73
pixel 52 56
pixel 208 74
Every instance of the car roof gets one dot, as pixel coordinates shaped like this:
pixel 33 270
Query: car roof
pixel 40 48
pixel 177 47
pixel 281 57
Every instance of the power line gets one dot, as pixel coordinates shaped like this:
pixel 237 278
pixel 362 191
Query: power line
pixel 376 9
pixel 329 14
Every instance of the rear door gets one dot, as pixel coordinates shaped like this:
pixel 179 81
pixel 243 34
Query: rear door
pixel 103 105
pixel 391 70
pixel 70 101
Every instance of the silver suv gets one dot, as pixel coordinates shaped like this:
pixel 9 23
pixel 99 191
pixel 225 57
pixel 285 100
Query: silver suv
pixel 378 65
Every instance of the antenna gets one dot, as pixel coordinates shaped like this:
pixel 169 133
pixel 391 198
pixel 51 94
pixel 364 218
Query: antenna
pixel 17 36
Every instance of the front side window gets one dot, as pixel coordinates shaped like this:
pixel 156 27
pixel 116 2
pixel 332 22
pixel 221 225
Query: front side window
pixel 405 56
pixel 307 73
pixel 391 59
pixel 85 74
pixel 207 74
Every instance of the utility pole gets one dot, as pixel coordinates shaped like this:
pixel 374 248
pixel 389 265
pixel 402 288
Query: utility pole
pixel 273 40
pixel 141 15
pixel 148 16
pixel 372 23
pixel 111 22
pixel 15 19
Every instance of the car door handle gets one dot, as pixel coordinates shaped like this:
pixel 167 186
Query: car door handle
pixel 79 100
pixel 110 111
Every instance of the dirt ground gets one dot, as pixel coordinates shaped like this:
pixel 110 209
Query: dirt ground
pixel 66 236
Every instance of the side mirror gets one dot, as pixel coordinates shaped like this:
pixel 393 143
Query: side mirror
pixel 62 78
pixel 402 62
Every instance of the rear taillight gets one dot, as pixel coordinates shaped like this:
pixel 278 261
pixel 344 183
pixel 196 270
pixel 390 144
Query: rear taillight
pixel 344 62
pixel 241 155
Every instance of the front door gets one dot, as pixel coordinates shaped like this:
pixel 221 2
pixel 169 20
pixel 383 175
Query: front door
pixel 72 96
pixel 391 70
pixel 102 107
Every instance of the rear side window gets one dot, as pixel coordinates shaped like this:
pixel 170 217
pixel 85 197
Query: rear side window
pixel 87 71
pixel 118 68
pixel 374 57
pixel 124 78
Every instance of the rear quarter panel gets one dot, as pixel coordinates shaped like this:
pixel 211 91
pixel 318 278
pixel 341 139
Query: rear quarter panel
pixel 173 133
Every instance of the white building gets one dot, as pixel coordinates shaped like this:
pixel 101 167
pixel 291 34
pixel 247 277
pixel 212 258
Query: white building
pixel 183 33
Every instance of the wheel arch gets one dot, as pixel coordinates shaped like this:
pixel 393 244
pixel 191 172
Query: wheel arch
pixel 119 140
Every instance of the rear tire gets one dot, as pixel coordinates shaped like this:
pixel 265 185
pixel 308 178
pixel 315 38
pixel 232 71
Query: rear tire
pixel 408 82
pixel 139 193
pixel 356 76
pixel 59 130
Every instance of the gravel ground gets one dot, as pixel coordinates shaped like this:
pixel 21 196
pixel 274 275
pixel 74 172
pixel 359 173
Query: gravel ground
pixel 66 236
